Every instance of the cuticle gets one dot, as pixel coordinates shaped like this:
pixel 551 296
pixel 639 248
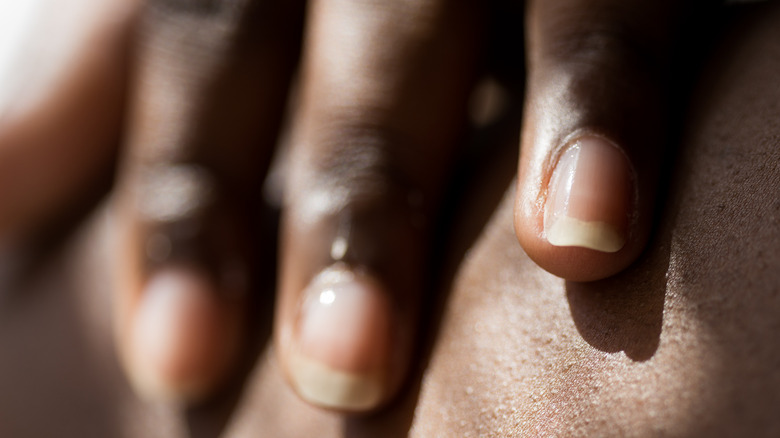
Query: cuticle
pixel 554 156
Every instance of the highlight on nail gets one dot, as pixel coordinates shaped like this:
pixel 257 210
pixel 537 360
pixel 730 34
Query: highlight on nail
pixel 589 202
pixel 342 342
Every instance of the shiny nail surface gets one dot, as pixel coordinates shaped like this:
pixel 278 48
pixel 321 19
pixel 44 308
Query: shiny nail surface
pixel 342 342
pixel 589 203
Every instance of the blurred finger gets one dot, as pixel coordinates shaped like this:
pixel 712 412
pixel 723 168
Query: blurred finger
pixel 385 87
pixel 62 86
pixel 208 96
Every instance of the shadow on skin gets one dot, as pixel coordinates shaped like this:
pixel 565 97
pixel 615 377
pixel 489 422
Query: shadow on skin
pixel 51 373
pixel 211 418
pixel 485 169
pixel 477 187
pixel 483 173
pixel 730 270
pixel 625 312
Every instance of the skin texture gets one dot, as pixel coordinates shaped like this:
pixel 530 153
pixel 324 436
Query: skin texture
pixel 377 122
pixel 586 59
pixel 681 344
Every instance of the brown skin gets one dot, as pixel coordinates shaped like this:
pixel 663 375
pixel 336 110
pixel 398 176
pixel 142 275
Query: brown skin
pixel 59 132
pixel 594 68
pixel 373 131
pixel 383 99
pixel 208 91
pixel 682 344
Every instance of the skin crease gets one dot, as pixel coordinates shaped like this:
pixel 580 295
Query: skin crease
pixel 682 344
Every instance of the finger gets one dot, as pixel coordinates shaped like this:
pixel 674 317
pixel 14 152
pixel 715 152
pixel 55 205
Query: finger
pixel 209 91
pixel 383 101
pixel 593 132
pixel 62 83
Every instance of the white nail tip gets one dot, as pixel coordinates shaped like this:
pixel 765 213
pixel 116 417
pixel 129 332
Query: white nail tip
pixel 327 387
pixel 600 236
pixel 160 328
pixel 153 386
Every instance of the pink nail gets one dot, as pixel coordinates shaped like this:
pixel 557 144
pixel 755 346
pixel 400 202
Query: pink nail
pixel 589 203
pixel 343 341
pixel 182 337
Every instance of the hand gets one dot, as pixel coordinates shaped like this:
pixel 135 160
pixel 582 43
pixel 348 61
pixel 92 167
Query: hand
pixel 681 343
pixel 373 138
pixel 383 96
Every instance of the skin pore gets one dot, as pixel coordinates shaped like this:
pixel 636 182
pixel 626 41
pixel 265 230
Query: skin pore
pixel 681 344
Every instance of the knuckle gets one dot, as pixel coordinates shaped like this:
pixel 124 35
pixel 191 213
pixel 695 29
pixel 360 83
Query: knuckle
pixel 199 27
pixel 193 7
pixel 361 169
pixel 367 158
pixel 173 193
pixel 612 46
pixel 194 40
pixel 357 197
pixel 187 216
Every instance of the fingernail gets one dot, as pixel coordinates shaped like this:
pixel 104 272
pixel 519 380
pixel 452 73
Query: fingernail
pixel 589 197
pixel 182 337
pixel 343 341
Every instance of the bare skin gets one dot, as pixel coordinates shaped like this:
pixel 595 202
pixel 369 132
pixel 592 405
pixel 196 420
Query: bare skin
pixel 61 107
pixel 377 126
pixel 682 344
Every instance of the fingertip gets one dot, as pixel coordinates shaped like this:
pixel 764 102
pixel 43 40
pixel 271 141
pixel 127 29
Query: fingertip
pixel 182 339
pixel 584 222
pixel 342 342
pixel 575 263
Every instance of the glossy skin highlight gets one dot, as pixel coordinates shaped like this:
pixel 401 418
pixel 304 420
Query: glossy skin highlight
pixel 665 348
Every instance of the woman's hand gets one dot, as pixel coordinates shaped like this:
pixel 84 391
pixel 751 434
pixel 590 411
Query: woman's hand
pixel 383 93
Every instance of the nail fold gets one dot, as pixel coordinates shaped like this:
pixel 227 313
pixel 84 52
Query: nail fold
pixel 342 343
pixel 589 202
